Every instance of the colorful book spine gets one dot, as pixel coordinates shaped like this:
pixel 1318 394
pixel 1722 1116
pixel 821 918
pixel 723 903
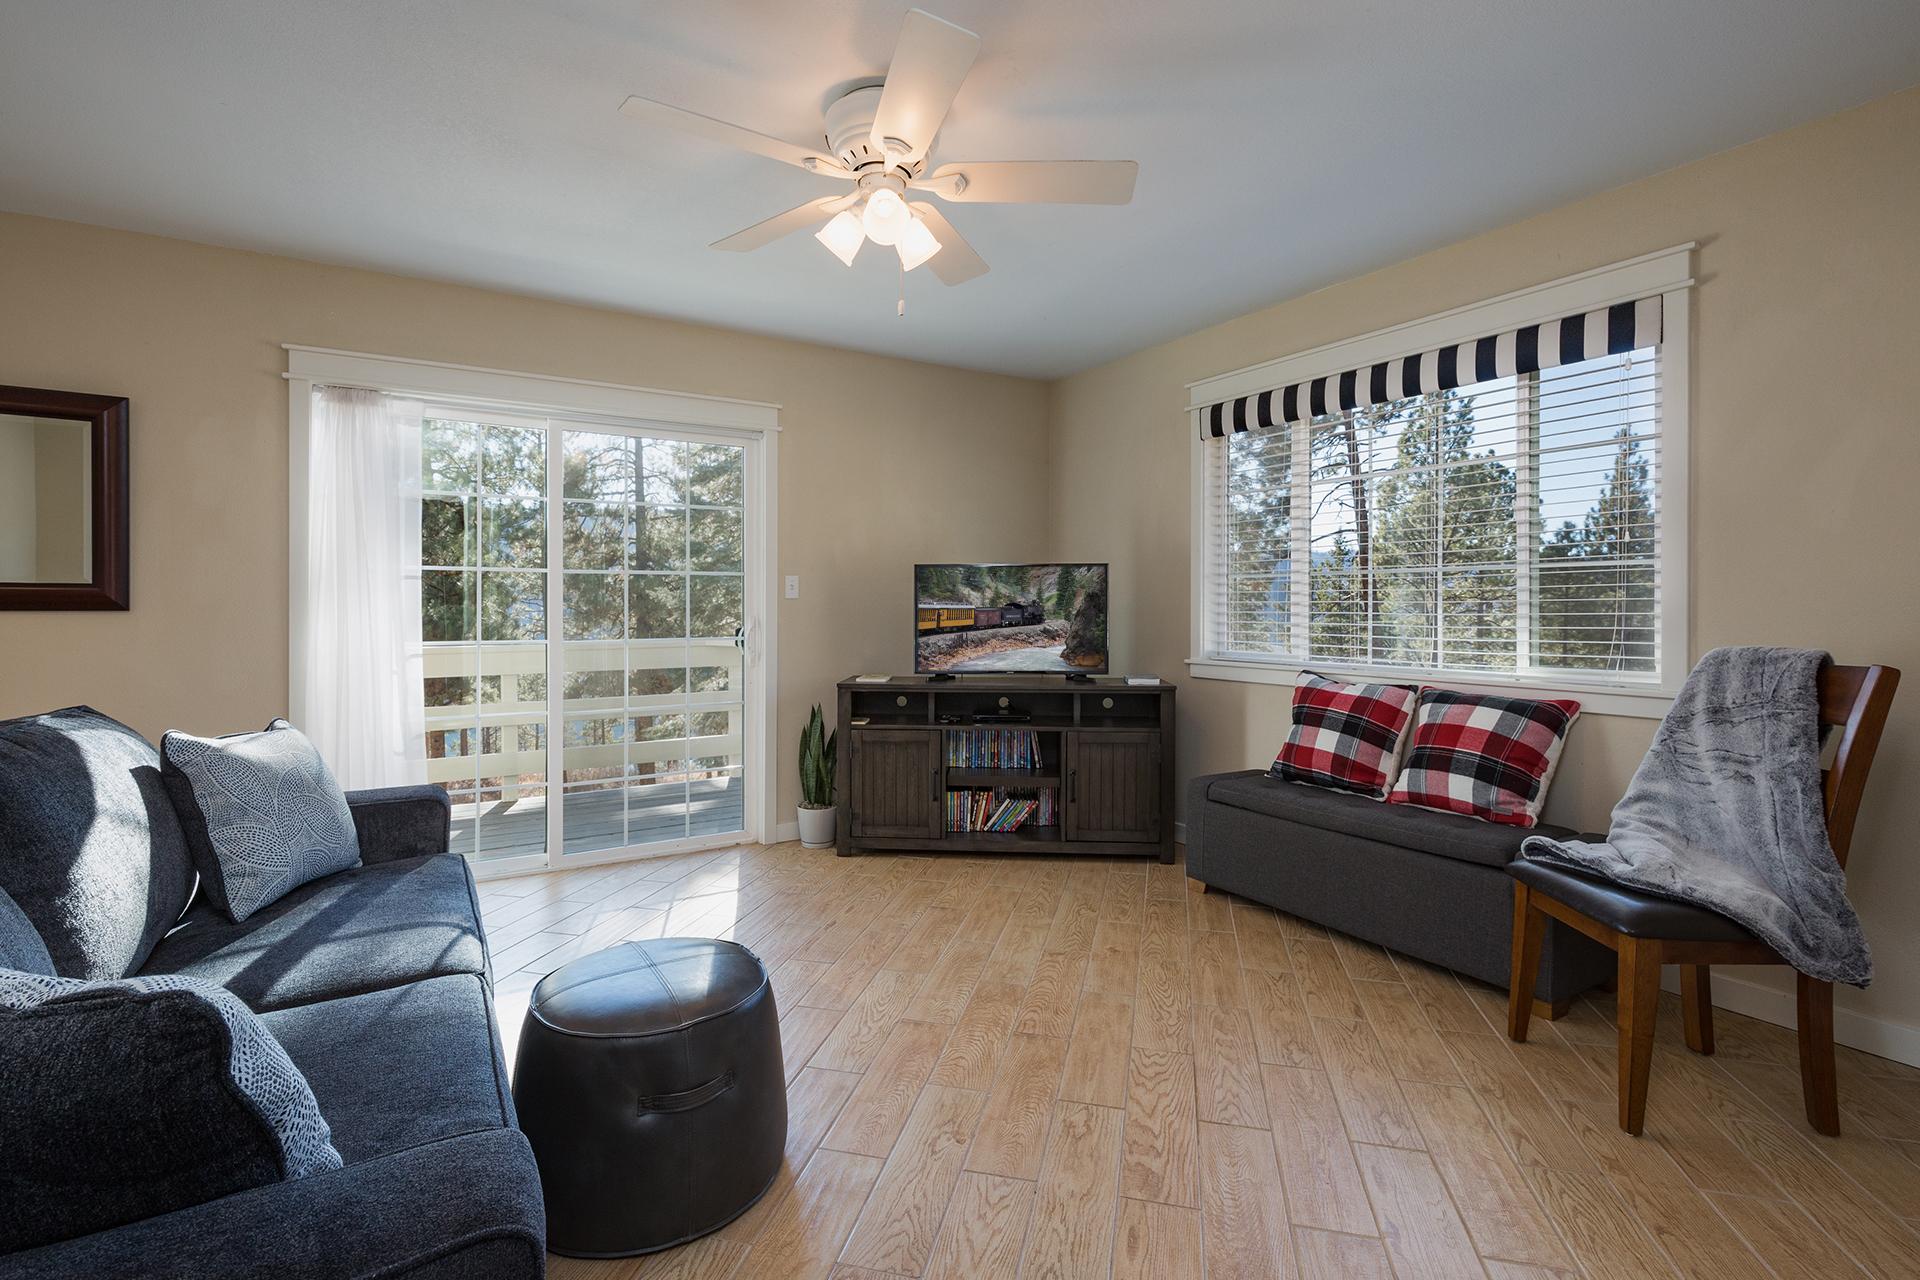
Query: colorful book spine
pixel 993 749
pixel 1000 810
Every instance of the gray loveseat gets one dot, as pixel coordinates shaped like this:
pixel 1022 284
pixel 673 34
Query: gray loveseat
pixel 376 981
pixel 1433 886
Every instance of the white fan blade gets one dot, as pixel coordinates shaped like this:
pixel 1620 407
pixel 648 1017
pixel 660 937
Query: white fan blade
pixel 931 59
pixel 956 263
pixel 733 135
pixel 810 214
pixel 1033 182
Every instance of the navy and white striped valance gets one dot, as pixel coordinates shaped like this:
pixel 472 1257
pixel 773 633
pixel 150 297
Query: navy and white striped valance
pixel 1614 330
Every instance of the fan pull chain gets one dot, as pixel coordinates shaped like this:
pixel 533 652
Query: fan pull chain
pixel 900 307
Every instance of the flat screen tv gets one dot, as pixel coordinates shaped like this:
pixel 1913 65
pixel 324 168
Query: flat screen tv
pixel 977 619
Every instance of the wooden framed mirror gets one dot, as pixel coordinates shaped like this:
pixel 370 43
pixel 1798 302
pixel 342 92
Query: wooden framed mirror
pixel 64 530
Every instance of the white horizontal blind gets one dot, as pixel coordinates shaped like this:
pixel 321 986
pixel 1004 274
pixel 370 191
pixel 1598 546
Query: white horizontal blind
pixel 1597 561
pixel 1506 526
pixel 1250 487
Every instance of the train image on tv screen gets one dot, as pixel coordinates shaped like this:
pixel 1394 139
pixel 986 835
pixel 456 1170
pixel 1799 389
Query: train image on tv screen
pixel 971 619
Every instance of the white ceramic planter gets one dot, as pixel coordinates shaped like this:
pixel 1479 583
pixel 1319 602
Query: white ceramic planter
pixel 816 828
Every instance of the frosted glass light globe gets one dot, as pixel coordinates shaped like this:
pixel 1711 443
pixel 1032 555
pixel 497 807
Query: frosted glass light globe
pixel 843 236
pixel 886 218
pixel 917 245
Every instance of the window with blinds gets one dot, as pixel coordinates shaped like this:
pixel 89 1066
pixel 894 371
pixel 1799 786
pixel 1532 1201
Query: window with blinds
pixel 1504 526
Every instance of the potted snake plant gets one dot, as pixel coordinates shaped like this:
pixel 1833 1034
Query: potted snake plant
pixel 817 762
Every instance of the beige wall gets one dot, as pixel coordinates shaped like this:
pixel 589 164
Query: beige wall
pixel 191 336
pixel 1805 453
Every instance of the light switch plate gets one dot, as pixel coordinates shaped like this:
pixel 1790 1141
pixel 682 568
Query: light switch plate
pixel 793 586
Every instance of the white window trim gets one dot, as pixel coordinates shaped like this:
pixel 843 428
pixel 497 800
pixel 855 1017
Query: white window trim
pixel 542 395
pixel 1667 272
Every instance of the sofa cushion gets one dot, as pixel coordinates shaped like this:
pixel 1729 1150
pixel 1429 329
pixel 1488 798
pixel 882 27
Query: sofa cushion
pixel 21 946
pixel 399 1068
pixel 1449 835
pixel 90 849
pixel 1484 755
pixel 262 813
pixel 463 1209
pixel 1346 737
pixel 136 1096
pixel 359 930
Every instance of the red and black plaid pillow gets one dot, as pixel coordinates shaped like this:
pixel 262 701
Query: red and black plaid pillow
pixel 1482 755
pixel 1345 736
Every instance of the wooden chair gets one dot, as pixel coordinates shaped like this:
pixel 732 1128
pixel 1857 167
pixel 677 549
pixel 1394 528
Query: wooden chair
pixel 1647 930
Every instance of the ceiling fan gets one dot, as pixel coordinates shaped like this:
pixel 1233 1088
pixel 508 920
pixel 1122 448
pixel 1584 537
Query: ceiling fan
pixel 878 136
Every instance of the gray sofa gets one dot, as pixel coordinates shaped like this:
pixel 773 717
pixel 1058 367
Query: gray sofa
pixel 1433 886
pixel 376 982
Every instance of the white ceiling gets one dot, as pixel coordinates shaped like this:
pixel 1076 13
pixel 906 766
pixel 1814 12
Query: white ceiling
pixel 1282 145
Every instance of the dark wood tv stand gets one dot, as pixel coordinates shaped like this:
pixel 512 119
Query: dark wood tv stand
pixel 1106 748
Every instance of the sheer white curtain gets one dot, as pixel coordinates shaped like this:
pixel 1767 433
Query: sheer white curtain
pixel 364 709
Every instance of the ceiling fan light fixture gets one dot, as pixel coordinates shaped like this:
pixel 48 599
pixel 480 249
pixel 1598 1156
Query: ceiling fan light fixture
pixel 886 217
pixel 843 236
pixel 917 245
pixel 879 135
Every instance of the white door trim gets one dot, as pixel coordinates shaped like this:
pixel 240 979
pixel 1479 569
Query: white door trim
pixel 755 422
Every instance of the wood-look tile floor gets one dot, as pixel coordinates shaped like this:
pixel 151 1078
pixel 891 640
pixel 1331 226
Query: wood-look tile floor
pixel 1041 1068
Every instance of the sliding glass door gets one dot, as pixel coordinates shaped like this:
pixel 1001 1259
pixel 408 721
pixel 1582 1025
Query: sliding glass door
pixel 652 598
pixel 585 612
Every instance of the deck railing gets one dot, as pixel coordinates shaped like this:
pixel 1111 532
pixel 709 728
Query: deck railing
pixel 599 740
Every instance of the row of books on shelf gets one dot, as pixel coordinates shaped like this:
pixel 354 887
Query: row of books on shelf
pixel 1000 809
pixel 993 748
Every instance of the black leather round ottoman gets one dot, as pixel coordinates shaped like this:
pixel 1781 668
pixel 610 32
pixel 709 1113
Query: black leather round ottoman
pixel 649 1083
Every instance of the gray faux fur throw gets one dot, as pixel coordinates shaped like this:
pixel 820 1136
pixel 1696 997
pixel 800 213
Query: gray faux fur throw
pixel 1726 811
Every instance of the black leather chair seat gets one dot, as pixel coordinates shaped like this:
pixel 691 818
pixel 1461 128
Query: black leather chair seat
pixel 1629 911
pixel 650 1084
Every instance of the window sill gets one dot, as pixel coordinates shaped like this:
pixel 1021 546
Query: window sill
pixel 1644 702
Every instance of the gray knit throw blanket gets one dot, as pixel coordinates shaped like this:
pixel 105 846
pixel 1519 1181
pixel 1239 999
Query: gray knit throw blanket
pixel 1726 811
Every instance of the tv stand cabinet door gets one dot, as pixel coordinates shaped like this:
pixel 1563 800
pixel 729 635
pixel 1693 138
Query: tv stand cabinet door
pixel 896 783
pixel 1113 787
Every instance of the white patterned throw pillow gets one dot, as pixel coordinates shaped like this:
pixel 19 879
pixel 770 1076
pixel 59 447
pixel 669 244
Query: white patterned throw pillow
pixel 262 813
pixel 256 1063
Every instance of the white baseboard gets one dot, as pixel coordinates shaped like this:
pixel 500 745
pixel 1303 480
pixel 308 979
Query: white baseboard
pixel 1878 1036
pixel 1179 833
